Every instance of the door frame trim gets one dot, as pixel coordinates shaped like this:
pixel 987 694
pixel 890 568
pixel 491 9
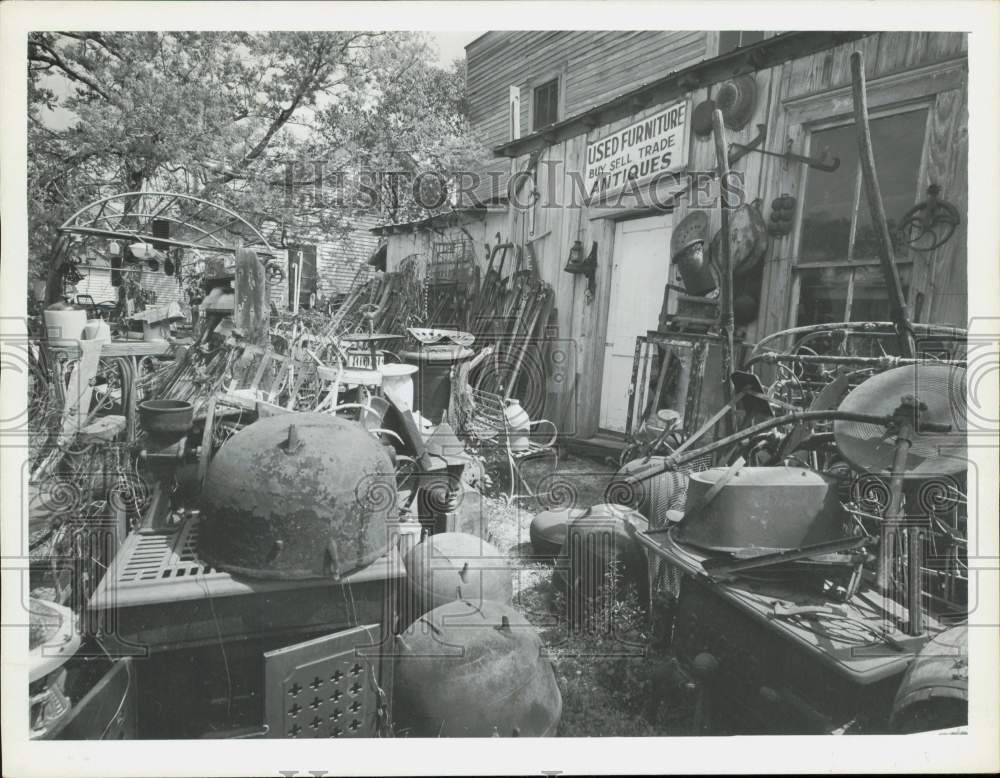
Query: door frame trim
pixel 609 224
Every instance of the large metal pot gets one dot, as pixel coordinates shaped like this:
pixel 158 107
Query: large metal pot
pixel 165 418
pixel 455 566
pixel 300 495
pixel 474 670
pixel 772 508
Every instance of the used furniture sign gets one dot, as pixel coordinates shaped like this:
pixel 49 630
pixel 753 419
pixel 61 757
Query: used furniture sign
pixel 656 145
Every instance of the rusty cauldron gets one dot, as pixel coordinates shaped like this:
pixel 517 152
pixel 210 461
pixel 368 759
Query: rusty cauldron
pixel 474 670
pixel 297 496
pixel 455 566
pixel 768 508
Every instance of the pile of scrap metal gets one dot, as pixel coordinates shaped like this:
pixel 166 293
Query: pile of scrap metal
pixel 819 570
pixel 288 593
pixel 303 545
pixel 387 302
pixel 511 314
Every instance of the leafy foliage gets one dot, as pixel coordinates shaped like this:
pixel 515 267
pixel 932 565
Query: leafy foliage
pixel 242 119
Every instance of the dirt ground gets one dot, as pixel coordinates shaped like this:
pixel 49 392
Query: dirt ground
pixel 614 678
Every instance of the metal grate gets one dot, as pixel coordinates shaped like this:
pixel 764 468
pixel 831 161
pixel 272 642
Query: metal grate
pixel 324 688
pixel 165 568
pixel 451 262
pixel 156 557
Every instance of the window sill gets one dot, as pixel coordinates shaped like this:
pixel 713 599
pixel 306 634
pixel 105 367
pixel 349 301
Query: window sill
pixel 799 265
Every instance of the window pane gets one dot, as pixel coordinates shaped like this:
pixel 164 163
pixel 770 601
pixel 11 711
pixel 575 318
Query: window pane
pixel 897 144
pixel 871 300
pixel 822 295
pixel 829 197
pixel 546 104
pixel 747 37
pixel 728 40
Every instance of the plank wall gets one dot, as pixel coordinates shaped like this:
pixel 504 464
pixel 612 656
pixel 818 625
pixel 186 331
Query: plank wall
pixel 901 67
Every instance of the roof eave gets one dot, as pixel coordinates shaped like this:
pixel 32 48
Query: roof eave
pixel 749 59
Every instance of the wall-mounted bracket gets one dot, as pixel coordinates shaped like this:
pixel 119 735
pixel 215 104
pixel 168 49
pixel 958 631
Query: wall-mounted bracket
pixel 823 163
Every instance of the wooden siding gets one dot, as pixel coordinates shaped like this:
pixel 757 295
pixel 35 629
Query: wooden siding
pixel 901 67
pixel 595 65
pixel 338 262
pixel 98 285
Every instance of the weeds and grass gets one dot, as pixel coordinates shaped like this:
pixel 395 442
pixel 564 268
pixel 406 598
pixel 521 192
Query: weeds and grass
pixel 612 667
pixel 614 678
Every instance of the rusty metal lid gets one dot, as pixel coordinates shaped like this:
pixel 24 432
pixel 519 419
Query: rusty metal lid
pixel 748 239
pixel 693 228
pixel 456 566
pixel 444 352
pixel 297 496
pixel 474 670
pixel 736 99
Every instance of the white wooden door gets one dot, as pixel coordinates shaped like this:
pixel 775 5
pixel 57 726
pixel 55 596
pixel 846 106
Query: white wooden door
pixel 640 268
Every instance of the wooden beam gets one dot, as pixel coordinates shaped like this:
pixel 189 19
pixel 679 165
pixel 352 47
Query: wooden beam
pixel 873 194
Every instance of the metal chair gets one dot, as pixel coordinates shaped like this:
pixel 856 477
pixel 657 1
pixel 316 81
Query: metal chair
pixel 488 426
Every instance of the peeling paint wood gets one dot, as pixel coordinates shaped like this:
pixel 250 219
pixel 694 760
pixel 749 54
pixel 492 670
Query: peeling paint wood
pixel 942 274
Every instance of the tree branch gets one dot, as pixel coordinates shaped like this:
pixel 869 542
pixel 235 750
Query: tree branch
pixel 35 54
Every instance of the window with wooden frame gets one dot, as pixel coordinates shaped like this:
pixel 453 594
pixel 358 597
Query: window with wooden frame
pixel 838 277
pixel 545 104
pixel 730 40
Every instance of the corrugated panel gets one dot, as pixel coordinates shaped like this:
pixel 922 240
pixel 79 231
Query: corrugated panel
pixel 98 285
pixel 338 261
pixel 167 288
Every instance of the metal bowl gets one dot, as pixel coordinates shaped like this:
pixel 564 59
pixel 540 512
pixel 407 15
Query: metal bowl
pixel 166 417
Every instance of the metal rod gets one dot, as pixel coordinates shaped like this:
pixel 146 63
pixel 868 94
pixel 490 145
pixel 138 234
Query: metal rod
pixel 894 514
pixel 676 459
pixel 914 580
pixel 865 328
pixel 716 567
pixel 873 193
pixel 825 359
pixel 725 264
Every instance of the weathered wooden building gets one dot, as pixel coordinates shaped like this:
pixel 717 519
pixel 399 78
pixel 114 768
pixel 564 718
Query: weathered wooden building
pixel 554 105
pixel 330 265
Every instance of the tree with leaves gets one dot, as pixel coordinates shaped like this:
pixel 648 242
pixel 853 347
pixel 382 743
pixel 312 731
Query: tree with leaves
pixel 258 122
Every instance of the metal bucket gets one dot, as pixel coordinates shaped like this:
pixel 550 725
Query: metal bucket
pixel 166 418
pixel 773 508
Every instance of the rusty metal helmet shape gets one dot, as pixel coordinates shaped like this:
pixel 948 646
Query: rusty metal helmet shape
pixel 474 670
pixel 297 496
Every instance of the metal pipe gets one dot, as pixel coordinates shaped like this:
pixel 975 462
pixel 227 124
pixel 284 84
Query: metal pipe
pixel 893 516
pixel 725 264
pixel 866 328
pixel 771 357
pixel 677 459
pixel 873 193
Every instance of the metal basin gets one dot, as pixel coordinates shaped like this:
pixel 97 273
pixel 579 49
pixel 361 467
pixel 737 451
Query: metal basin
pixel 766 508
pixel 166 417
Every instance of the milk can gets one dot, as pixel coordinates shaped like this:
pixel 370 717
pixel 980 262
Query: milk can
pixel 519 424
